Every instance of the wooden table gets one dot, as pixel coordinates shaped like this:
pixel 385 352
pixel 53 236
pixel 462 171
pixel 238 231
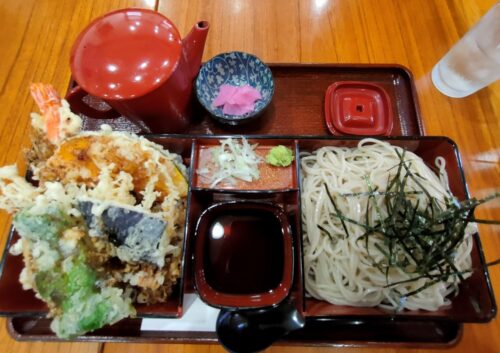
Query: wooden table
pixel 36 36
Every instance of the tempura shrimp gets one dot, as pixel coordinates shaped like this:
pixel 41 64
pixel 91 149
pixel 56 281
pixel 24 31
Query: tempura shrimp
pixel 49 103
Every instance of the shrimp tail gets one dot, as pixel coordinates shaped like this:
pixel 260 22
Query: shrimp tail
pixel 49 102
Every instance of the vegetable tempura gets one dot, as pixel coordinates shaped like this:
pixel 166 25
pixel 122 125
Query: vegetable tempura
pixel 103 229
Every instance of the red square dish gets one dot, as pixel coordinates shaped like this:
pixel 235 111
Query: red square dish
pixel 358 108
pixel 243 255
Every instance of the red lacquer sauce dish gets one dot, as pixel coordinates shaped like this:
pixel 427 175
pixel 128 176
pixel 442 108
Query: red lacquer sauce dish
pixel 358 108
pixel 243 255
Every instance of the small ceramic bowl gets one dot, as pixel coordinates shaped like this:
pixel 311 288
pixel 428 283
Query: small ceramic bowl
pixel 243 255
pixel 238 69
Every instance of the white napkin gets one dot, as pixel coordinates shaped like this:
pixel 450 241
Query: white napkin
pixel 198 317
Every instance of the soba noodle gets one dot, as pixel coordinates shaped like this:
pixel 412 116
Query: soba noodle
pixel 339 268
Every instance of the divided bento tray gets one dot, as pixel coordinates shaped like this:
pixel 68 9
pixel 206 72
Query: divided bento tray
pixel 295 118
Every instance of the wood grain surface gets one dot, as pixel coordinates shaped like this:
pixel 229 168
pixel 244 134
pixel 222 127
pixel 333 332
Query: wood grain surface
pixel 36 36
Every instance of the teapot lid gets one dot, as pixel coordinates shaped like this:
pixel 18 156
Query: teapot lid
pixel 125 54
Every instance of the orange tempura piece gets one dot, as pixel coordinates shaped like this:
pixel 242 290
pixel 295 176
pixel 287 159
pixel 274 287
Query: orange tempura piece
pixel 49 102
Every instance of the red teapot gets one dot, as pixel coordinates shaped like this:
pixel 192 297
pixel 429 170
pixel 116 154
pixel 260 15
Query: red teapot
pixel 136 62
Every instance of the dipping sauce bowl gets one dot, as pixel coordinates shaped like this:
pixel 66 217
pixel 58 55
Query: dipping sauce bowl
pixel 243 255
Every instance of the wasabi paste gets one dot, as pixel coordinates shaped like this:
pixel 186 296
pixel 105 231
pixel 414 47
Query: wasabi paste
pixel 280 156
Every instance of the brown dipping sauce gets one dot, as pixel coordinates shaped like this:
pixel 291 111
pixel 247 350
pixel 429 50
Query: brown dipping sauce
pixel 244 252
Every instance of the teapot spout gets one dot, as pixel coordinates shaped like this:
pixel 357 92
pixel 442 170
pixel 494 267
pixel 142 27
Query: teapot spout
pixel 193 45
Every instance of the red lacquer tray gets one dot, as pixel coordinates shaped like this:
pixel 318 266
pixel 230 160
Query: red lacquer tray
pixel 297 109
pixel 298 105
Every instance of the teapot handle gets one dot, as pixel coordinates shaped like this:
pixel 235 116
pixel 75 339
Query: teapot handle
pixel 75 99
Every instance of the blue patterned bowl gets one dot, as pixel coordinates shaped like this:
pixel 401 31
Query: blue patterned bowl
pixel 234 68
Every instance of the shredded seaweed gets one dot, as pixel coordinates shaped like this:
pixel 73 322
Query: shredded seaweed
pixel 323 229
pixel 427 236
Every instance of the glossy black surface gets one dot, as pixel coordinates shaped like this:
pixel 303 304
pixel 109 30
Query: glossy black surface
pixel 255 330
pixel 340 333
